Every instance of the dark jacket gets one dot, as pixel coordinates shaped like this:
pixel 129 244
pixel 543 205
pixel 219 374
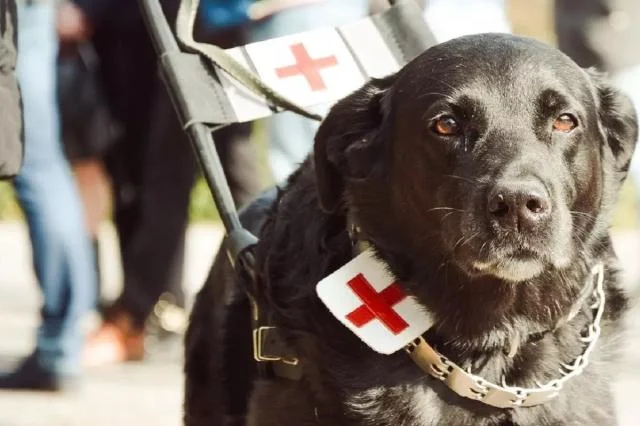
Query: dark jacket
pixel 111 13
pixel 118 15
pixel 11 135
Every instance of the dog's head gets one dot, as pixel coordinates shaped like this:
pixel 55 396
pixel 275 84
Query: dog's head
pixel 495 152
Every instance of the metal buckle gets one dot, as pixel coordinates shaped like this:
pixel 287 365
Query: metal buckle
pixel 259 356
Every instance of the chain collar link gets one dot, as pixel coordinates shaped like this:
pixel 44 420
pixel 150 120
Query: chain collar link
pixel 468 385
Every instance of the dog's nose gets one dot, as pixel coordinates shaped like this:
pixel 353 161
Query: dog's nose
pixel 518 206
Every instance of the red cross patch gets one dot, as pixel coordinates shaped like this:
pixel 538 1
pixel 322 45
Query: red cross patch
pixel 366 298
pixel 310 68
pixel 377 305
pixel 307 66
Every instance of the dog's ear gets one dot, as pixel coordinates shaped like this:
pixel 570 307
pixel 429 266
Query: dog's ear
pixel 619 121
pixel 346 140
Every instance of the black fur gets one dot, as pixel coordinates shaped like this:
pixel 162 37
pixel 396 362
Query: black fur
pixel 420 198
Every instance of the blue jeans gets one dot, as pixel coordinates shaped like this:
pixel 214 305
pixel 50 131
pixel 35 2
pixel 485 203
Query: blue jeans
pixel 62 254
pixel 290 135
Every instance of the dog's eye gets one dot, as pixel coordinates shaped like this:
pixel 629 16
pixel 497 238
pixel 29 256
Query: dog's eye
pixel 446 125
pixel 565 123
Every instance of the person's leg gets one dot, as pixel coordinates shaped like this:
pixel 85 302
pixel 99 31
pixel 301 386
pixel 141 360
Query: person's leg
pixel 127 74
pixel 87 130
pixel 61 250
pixel 94 188
pixel 154 262
pixel 152 170
pixel 152 183
pixel 290 135
pixel 118 338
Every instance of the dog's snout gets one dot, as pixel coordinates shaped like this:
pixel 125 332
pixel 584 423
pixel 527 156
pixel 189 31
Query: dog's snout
pixel 518 206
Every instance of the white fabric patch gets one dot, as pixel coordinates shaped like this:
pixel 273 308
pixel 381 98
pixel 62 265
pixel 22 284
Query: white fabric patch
pixel 247 105
pixel 310 68
pixel 369 48
pixel 365 297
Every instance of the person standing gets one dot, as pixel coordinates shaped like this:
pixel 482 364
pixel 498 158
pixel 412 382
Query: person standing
pixel 47 193
pixel 151 167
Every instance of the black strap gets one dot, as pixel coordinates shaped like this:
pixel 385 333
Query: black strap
pixel 199 95
pixel 221 59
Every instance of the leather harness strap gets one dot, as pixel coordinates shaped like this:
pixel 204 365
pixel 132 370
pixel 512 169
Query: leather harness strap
pixel 220 58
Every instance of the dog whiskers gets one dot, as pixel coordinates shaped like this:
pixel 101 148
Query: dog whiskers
pixel 464 179
pixel 445 208
pixel 482 248
pixel 444 95
pixel 461 241
pixel 446 216
pixel 458 242
pixel 576 213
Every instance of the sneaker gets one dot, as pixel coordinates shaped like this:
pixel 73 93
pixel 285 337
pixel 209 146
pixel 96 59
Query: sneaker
pixel 32 376
pixel 115 341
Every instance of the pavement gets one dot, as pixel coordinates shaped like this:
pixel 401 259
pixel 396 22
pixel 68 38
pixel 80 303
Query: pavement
pixel 150 393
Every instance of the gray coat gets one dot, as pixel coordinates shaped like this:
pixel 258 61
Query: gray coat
pixel 599 33
pixel 11 135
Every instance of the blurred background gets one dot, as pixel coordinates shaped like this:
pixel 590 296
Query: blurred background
pixel 150 219
pixel 533 19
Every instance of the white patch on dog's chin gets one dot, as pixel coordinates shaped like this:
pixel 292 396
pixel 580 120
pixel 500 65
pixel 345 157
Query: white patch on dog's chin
pixel 562 261
pixel 512 270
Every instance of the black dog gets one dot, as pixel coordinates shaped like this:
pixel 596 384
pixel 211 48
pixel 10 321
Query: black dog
pixel 483 174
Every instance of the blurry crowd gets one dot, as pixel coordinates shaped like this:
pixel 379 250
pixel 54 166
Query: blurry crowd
pixel 102 139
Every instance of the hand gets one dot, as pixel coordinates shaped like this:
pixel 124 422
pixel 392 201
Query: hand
pixel 72 23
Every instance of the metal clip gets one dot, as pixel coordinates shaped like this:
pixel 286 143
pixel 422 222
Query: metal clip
pixel 258 355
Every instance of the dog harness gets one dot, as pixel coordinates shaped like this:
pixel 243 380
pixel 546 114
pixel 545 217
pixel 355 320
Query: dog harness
pixel 400 323
pixel 202 106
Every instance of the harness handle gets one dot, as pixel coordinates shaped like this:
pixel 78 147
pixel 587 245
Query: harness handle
pixel 185 23
pixel 240 239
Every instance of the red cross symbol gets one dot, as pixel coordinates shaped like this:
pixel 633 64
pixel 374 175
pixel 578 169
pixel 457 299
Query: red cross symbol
pixel 307 66
pixel 377 305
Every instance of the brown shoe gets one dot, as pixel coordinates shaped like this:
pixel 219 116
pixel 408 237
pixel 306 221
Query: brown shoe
pixel 116 341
